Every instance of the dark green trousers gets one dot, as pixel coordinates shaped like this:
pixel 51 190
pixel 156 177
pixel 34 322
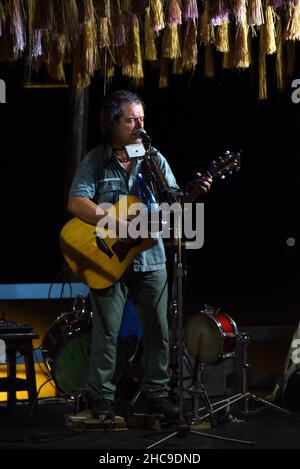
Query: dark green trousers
pixel 149 292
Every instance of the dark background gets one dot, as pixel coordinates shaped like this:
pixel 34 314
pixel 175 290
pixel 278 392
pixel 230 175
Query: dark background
pixel 245 266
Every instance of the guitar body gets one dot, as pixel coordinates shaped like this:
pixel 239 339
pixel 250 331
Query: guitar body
pixel 100 260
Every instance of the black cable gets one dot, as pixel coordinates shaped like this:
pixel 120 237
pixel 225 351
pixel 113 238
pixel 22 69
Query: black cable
pixel 62 290
pixel 54 280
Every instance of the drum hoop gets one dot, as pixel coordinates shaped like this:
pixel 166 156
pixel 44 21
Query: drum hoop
pixel 221 336
pixel 232 322
pixel 55 368
pixel 63 322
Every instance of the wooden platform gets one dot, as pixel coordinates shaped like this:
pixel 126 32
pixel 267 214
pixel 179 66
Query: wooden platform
pixel 83 422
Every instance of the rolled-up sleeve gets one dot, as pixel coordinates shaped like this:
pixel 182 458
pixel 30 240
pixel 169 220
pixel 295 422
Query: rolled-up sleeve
pixel 166 170
pixel 84 183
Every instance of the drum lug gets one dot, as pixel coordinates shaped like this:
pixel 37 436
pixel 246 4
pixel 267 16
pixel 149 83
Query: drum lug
pixel 226 356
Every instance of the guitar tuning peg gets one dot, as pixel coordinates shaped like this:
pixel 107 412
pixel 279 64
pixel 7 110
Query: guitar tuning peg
pixel 227 152
pixel 222 177
pixel 213 163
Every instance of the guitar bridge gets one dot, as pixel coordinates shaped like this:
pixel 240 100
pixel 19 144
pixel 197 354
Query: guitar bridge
pixel 102 246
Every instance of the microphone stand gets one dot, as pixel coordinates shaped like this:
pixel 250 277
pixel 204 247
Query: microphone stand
pixel 165 193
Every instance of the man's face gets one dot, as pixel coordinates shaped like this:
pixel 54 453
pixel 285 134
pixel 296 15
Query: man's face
pixel 131 120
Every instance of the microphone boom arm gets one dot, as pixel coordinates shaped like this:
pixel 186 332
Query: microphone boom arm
pixel 155 176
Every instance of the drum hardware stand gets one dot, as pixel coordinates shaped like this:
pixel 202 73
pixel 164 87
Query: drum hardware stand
pixel 182 427
pixel 158 182
pixel 199 390
pixel 245 394
pixel 246 340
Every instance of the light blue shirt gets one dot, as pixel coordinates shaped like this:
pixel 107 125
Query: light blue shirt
pixel 102 178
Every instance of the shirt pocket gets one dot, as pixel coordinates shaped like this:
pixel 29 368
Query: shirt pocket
pixel 110 189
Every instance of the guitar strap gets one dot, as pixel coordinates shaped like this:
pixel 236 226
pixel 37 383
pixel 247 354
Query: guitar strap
pixel 146 173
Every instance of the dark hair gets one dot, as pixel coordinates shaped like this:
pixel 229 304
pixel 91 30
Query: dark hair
pixel 112 108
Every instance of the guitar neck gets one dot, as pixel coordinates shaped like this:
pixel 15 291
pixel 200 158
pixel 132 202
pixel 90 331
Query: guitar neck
pixel 192 189
pixel 218 169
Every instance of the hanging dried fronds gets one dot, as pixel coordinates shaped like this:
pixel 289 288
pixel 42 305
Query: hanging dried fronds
pixel 239 9
pixel 85 55
pixel 251 34
pixel 36 44
pixel 255 14
pixel 173 12
pixel 190 10
pixel 228 62
pixel 157 15
pixel 71 13
pixel 7 42
pixel 90 46
pixel 170 43
pixel 138 7
pixel 150 47
pixel 86 11
pixel 132 66
pixel 280 79
pixel 218 12
pixel 206 30
pixel 177 68
pixel 241 50
pixel 56 58
pixel 292 29
pixel 43 15
pixel 46 46
pixel 209 70
pixel 18 25
pixel 276 3
pixel 164 76
pixel 126 6
pixel 85 52
pixel 2 19
pixel 190 48
pixel 108 31
pixel 268 32
pixel 64 17
pixel 262 93
pixel 103 8
pixel 117 23
pixel 104 28
pixel 59 18
pixel 222 37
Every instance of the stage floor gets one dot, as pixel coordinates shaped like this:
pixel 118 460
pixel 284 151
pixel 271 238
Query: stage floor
pixel 45 429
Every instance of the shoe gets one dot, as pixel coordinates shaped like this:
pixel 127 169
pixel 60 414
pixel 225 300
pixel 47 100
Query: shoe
pixel 102 409
pixel 164 407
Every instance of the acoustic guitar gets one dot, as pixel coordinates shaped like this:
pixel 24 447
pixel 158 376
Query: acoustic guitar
pixel 98 257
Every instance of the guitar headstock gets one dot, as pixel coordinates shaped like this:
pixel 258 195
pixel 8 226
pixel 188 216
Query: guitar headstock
pixel 231 161
pixel 226 164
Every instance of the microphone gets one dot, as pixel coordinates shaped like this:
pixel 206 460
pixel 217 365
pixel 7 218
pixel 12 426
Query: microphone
pixel 141 133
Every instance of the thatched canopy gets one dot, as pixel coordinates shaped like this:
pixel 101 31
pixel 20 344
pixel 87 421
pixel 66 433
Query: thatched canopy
pixel 176 36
